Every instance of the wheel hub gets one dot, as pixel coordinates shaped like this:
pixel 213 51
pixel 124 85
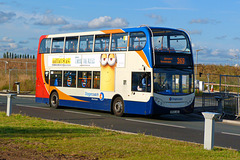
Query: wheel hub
pixel 54 99
pixel 118 106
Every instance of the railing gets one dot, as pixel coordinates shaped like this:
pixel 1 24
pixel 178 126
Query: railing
pixel 230 103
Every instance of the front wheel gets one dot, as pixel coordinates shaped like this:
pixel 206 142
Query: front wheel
pixel 118 106
pixel 54 100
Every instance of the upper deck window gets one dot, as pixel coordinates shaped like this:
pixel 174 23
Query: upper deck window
pixel 71 44
pixel 45 45
pixel 102 43
pixel 119 42
pixel 86 44
pixel 170 41
pixel 57 45
pixel 137 41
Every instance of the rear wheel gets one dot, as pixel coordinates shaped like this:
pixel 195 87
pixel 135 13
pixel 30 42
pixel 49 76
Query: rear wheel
pixel 54 100
pixel 118 106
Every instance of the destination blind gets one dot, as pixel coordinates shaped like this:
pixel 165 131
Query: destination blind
pixel 173 59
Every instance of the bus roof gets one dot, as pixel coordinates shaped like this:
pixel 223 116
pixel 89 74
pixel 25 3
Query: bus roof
pixel 123 30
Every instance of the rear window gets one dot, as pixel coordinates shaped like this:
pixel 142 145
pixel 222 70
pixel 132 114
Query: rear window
pixel 45 45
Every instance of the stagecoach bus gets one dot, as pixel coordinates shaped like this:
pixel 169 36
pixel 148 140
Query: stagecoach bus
pixel 143 70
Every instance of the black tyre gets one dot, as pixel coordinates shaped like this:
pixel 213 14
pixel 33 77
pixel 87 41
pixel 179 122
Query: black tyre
pixel 118 106
pixel 54 100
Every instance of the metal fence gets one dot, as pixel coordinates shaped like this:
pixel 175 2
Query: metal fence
pixel 26 78
pixel 230 103
pixel 17 70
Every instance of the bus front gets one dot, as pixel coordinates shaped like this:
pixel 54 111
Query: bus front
pixel 173 72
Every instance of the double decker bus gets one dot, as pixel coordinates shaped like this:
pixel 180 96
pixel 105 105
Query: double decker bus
pixel 143 70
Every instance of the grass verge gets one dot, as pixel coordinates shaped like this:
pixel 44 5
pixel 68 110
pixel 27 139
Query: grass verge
pixel 24 137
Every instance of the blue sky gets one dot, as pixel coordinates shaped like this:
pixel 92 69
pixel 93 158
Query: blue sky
pixel 214 25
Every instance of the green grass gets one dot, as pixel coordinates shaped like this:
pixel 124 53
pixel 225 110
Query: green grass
pixel 55 139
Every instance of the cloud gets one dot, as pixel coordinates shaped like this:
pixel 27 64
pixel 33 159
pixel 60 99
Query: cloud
pixel 107 21
pixel 204 21
pixel 74 27
pixel 8 47
pixel 214 56
pixel 23 42
pixel 7 39
pixel 195 32
pixel 158 18
pixel 236 38
pixel 51 20
pixel 217 52
pixel 16 48
pixel 13 45
pixel 233 52
pixel 97 23
pixel 33 38
pixel 5 17
pixel 221 37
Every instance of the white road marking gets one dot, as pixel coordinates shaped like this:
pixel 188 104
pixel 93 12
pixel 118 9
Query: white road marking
pixel 161 124
pixel 233 134
pixel 21 105
pixel 83 113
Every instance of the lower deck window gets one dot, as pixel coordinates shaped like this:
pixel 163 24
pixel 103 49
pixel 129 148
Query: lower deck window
pixel 56 78
pixel 96 80
pixel 69 79
pixel 79 79
pixel 84 79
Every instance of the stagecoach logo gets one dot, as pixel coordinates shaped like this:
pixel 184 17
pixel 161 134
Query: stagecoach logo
pixel 96 95
pixel 101 97
pixel 175 99
pixel 88 94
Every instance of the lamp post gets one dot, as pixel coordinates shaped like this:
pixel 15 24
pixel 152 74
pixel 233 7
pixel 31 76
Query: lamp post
pixel 237 56
pixel 6 62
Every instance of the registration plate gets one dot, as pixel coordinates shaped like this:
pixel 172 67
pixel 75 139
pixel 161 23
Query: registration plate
pixel 174 111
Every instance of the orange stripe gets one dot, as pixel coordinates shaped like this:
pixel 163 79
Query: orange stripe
pixel 113 31
pixel 143 56
pixel 64 96
pixel 43 74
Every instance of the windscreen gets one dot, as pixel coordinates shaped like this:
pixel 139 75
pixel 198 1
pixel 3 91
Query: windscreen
pixel 173 81
pixel 170 41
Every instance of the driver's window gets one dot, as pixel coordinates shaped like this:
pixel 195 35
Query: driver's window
pixel 141 81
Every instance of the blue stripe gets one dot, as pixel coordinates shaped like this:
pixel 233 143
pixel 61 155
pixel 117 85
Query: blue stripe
pixel 42 100
pixel 92 103
pixel 131 107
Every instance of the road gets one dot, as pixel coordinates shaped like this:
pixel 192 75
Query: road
pixel 188 127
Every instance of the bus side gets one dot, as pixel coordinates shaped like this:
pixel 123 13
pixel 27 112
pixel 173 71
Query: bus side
pixel 130 65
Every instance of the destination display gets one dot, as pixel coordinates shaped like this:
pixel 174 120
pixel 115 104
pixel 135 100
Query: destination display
pixel 181 60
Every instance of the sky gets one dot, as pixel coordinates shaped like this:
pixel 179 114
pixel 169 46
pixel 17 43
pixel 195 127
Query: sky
pixel 213 25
